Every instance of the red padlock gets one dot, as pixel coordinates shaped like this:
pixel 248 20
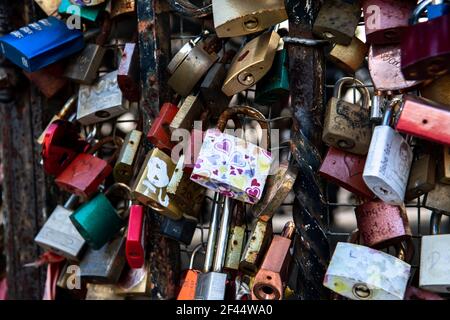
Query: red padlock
pixel 425 119
pixel 135 246
pixel 61 144
pixel 159 134
pixel 386 20
pixel 85 173
pixel 345 169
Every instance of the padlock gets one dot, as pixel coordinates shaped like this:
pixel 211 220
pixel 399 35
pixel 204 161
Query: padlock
pixel 48 6
pixel 270 281
pixel 101 101
pixel 233 18
pixel 388 162
pixel 85 173
pixel 432 57
pixel 347 125
pixel 386 21
pixel 274 86
pixel 381 225
pixel 345 170
pixel 424 118
pixel 191 62
pixel 136 235
pixel 65 111
pixel 97 291
pixel 422 176
pixel 337 21
pixel 438 199
pixel 230 165
pixel 88 13
pixel 181 230
pixel 349 58
pixel 124 167
pixel 443 172
pixel 59 235
pixel 87 3
pixel 189 282
pixel 190 110
pixel 41 43
pixel 434 257
pixel 159 134
pixel 413 293
pixel 122 7
pixel 98 220
pixel 134 282
pixel 210 90
pixel 105 264
pixel 362 273
pixel 48 80
pixel 235 239
pixel 377 107
pixel 256 246
pixel 385 71
pixel 211 285
pixel 150 186
pixel 60 146
pixel 83 67
pixel 128 73
pixel 438 90
pixel 251 63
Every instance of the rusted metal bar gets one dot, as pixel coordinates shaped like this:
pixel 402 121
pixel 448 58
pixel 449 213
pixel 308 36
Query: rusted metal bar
pixel 307 80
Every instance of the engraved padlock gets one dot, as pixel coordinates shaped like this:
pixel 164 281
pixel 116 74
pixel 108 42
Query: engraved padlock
pixel 136 235
pixel 98 220
pixel 337 20
pixel 438 90
pixel 438 199
pixel 347 125
pixel 435 254
pixel 124 167
pixel 349 58
pixel 233 18
pixel 386 21
pixel 270 281
pixel 422 176
pixel 101 101
pixel 128 72
pixel 59 235
pixel 388 162
pixel 190 278
pixel 83 68
pixel 251 63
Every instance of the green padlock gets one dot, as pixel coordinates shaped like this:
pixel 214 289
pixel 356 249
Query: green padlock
pixel 98 220
pixel 275 84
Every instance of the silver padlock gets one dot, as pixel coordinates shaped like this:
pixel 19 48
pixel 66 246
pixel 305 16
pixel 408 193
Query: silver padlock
pixel 377 107
pixel 435 258
pixel 59 234
pixel 438 199
pixel 101 101
pixel 211 284
pixel 388 162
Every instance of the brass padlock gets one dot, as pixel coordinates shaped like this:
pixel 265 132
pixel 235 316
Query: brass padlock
pixel 438 199
pixel 120 7
pixel 422 176
pixel 444 166
pixel 101 101
pixel 347 125
pixel 255 248
pixel 251 63
pixel 349 58
pixel 211 90
pixel 50 7
pixel 235 238
pixel 151 184
pixel 102 292
pixel 337 20
pixel 134 282
pixel 123 169
pixel 190 110
pixel 233 18
pixel 83 68
pixel 438 90
pixel 189 65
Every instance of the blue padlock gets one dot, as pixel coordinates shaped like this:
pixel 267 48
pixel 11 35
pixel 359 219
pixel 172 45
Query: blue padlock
pixel 41 43
pixel 437 8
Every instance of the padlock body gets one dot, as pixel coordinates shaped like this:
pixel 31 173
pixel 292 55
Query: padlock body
pixel 188 285
pixel 211 93
pixel 83 68
pixel 347 126
pixel 255 248
pixel 434 266
pixel 134 248
pixel 190 110
pixel 60 236
pixel 425 119
pixel 438 199
pixel 121 7
pixel 124 167
pixel 128 72
pixel 388 164
pixel 159 134
pixel 211 286
pixel 97 221
pixel 134 282
pixel 48 80
pixel 349 58
pixel 234 247
pixel 361 273
pixel 444 166
pixel 422 177
pixel 181 230
pixel 87 3
pixel 386 21
pixel 432 57
pixel 345 170
pixel 83 175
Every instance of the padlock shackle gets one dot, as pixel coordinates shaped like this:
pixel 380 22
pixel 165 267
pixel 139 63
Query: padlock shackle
pixel 67 107
pixel 389 112
pixel 193 254
pixel 288 230
pixel 117 142
pixel 120 185
pixel 365 94
pixel 421 7
pixel 435 222
pixel 248 111
pixel 71 202
pixel 223 236
pixel 212 235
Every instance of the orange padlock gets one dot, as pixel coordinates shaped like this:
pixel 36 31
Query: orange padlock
pixel 189 282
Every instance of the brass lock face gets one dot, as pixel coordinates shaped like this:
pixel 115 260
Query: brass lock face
pixel 190 110
pixel 349 58
pixel 48 6
pixel 233 18
pixel 83 68
pixel 123 169
pixel 444 167
pixel 251 63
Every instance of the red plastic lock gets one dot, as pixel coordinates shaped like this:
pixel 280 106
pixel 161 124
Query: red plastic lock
pixel 159 133
pixel 134 248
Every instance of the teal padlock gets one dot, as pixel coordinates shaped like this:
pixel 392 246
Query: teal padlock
pixel 98 220
pixel 274 86
pixel 89 13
